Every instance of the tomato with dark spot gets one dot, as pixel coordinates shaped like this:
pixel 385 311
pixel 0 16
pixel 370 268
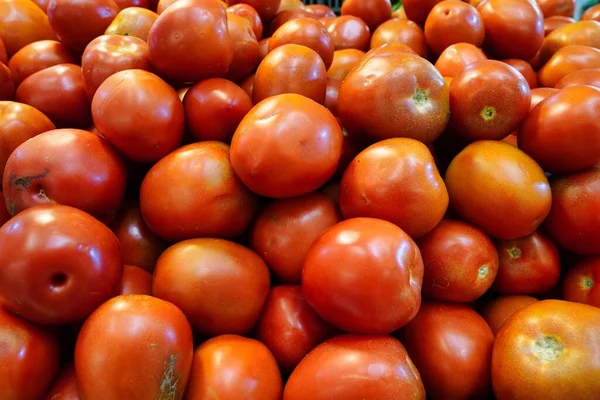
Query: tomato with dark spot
pixel 374 12
pixel 65 386
pixel 400 31
pixel 540 94
pixel 418 10
pixel 451 22
pixel 245 47
pixel 265 8
pixel 553 23
pixel 582 33
pixel 134 22
pixel 343 62
pixel 567 60
pixel 525 69
pixel 590 77
pixel 499 310
pixel 349 32
pixel 135 281
pixel 456 57
pixel 592 13
pixel 247 12
pixel 581 284
pixel 552 8
pixel 306 32
pixel 38 56
pixel 22 22
pixel 319 11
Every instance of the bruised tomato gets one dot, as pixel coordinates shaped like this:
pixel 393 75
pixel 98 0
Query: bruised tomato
pixel 400 31
pixel 349 32
pixel 499 310
pixel 590 77
pixel 451 22
pixel 38 56
pixel 456 57
pixel 581 282
pixel 132 21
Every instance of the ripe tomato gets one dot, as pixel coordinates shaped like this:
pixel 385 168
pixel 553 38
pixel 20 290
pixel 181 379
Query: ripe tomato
pixel 456 57
pixel 65 386
pixel 374 12
pixel 395 180
pixel 58 92
pixel 189 41
pixel 3 55
pixel 388 48
pixel 343 62
pixel 583 33
pixel 567 60
pixel 263 47
pixel 132 21
pixel 332 95
pixel 590 77
pixel 592 13
pixel 4 215
pixel 319 11
pixel 153 356
pixel 364 275
pixel 353 367
pixel 153 125
pixel 551 8
pixel 553 23
pixel 499 310
pixel 205 197
pixel 248 85
pixel 265 8
pixel 286 229
pixel 451 22
pixel 508 22
pixel 349 32
pixel 574 220
pixel 306 32
pixel 581 282
pixel 247 12
pixel 460 262
pixel 421 109
pixel 549 344
pixel 22 22
pixel 76 23
pixel 400 31
pixel 286 146
pixel 135 281
pixel 525 69
pixel 7 84
pixel 418 10
pixel 459 335
pixel 37 56
pixel 540 94
pixel 245 47
pixel 74 266
pixel 563 132
pixel 289 327
pixel 283 17
pixel 480 192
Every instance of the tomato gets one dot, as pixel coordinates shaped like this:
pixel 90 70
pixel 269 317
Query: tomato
pixel 451 22
pixel 109 54
pixel 418 10
pixel 123 4
pixel 37 56
pixel 549 344
pixel 508 22
pixel 150 359
pixel 76 23
pixel 286 146
pixel 247 12
pixel 553 23
pixel 353 367
pixel 265 8
pixel 388 48
pixel 343 62
pixel 499 310
pixel 563 132
pixel 574 219
pixel 58 92
pixel 283 17
pixel 529 265
pixel 7 84
pixel 525 69
pixel 263 47
pixel 65 386
pixel 74 266
pixel 232 367
pixel 248 85
pixel 135 281
pixel 488 100
pixel 190 41
pixel 583 33
pixel 374 12
pixel 332 94
pixel 246 50
pixel 162 5
pixel 29 359
pixel 3 55
pixel 589 77
pixel 459 335
pixel 22 22
pixel 400 31
pixel 592 13
pixel 580 284
pixel 460 261
pixel 153 125
pixel 456 57
pixel 349 32
pixel 306 32
pixel 319 11
pixel 567 60
pixel 4 215
pixel 551 8
pixel 481 193
pixel 421 108
pixel 540 94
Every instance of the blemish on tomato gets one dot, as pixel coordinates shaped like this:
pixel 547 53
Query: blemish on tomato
pixel 588 283
pixel 488 113
pixel 169 382
pixel 420 97
pixel 548 348
pixel 484 270
pixel 514 252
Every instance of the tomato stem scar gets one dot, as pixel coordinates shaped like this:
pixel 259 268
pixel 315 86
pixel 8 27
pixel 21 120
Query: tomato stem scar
pixel 548 348
pixel 488 113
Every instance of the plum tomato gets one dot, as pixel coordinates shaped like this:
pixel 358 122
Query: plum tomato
pixel 456 57
pixel 133 22
pixel 22 22
pixel 590 77
pixel 245 47
pixel 583 33
pixel 65 387
pixel 451 22
pixel 349 32
pixel 37 56
pixel 581 284
pixel 499 310
pixel 249 13
pixel 135 281
pixel 553 23
pixel 373 12
pixel 540 94
pixel 400 31
pixel 566 60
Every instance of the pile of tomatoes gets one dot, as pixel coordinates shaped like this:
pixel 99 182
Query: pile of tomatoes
pixel 262 200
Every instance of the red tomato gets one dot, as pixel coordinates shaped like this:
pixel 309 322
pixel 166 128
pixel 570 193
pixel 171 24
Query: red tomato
pixel 132 21
pixel 65 386
pixel 581 282
pixel 525 69
pixel 74 266
pixel 343 62
pixel 134 347
pixel 265 8
pixel 153 125
pixel 286 146
pixel 592 13
pixel 250 14
pixel 567 60
pixel 41 171
pixel 38 56
pixel 135 281
pixel 248 85
pixel 400 31
pixel 460 262
pixel 418 10
pixel 58 92
pixel 456 57
pixel 451 22
pixel 4 215
pixel 319 11
pixel 306 32
pixel 364 275
pixel 123 4
pixel 499 310
pixel 557 7
pixel 3 55
pixel 284 17
pixel 563 132
pixel 356 368
pixel 540 94
pixel 22 22
pixel 590 77
pixel 245 47
pixel 582 33
pixel 553 23
pixel 457 334
pixel 286 229
pixel 263 46
pixel 7 84
pixel 481 194
pixel 529 265
pixel 549 344
pixel 349 32
pixel 332 95
pixel 76 23
pixel 374 12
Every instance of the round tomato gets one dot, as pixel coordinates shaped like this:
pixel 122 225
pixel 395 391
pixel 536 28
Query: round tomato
pixel 590 77
pixel 567 60
pixel 265 8
pixel 22 22
pixel 306 32
pixel 245 47
pixel 37 56
pixel 284 17
pixel 400 31
pixel 553 23
pixel 451 22
pixel 540 94
pixel 349 32
pixel 332 95
pixel 7 84
pixel 581 282
pixel 249 13
pixel 150 360
pixel 374 12
pixel 248 85
pixel 592 13
pixel 551 8
pixel 583 33
pixel 499 310
pixel 135 281
pixel 343 62
pixel 65 386
pixel 456 57
pixel 418 10
pixel 134 22
pixel 525 69
pixel 319 11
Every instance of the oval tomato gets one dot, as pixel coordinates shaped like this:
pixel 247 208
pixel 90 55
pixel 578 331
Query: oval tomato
pixel 349 32
pixel 456 57
pixel 567 60
pixel 251 15
pixel 22 22
pixel 265 8
pixel 590 77
pixel 557 7
pixel 499 310
pixel 553 23
pixel 583 33
pixel 581 282
pixel 37 56
pixel 65 386
pixel 284 17
pixel 132 21
pixel 451 22
pixel 418 10
pixel 403 32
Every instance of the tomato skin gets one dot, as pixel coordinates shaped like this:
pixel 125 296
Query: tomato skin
pixel 4 215
pixel 418 10
pixel 76 22
pixel 354 367
pixel 7 84
pixel 349 32
pixel 3 55
pixel 343 62
pixel 592 13
pixel 281 131
pixel 74 267
pixel 306 32
pixel 451 22
pixel 499 310
pixel 552 8
pixel 525 69
pixel 395 180
pixel 123 4
pixel 456 57
pixel 455 333
pixel 562 133
pixel 476 181
pixel 284 17
pixel 551 343
pixel 581 282
pixel 161 337
pixel 37 56
pixel 135 281
pixel 400 31
pixel 245 48
pixel 374 13
pixel 248 85
pixel 583 33
pixel 250 14
pixel 319 11
pixel 553 23
pixel 375 286
pixel 267 9
pixel 567 60
pixel 22 22
pixel 540 94
pixel 133 22
pixel 65 386
pixel 590 77
pixel 58 92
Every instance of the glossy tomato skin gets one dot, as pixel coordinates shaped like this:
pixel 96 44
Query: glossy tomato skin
pixel 22 22
pixel 456 57
pixel 374 13
pixel 283 17
pixel 552 8
pixel 265 8
pixel 161 337
pixel 395 180
pixel 590 77
pixel 37 56
pixel 499 310
pixel 135 281
pixel 132 21
pixel 566 60
pixel 581 282
pixel 251 15
pixel 525 69
pixel 306 32
pixel 65 386
pixel 451 22
pixel 77 22
pixel 319 11
pixel 7 84
pixel 349 32
pixel 529 265
pixel 286 146
pixel 553 23
pixel 540 94
pixel 190 41
pixel 455 333
pixel 152 127
pixel 551 343
pixel 400 31
pixel 73 268
pixel 418 10
pixel 563 132
pixel 592 13
pixel 58 92
pixel 583 33
pixel 343 62
pixel 245 48
pixel 356 368
pixel 364 275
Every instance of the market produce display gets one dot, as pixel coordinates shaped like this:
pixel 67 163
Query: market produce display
pixel 276 200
